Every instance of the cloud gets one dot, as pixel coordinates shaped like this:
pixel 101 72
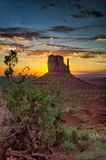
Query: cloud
pixel 88 14
pixel 74 52
pixel 47 37
pixel 48 52
pixel 89 26
pixel 4 46
pixel 77 6
pixel 24 34
pixel 80 10
pixel 84 12
pixel 61 28
pixel 38 52
pixel 101 61
pixel 46 6
pixel 88 55
pixel 20 38
pixel 58 46
pixel 13 40
pixel 18 32
pixel 101 38
pixel 52 4
pixel 67 29
pixel 97 38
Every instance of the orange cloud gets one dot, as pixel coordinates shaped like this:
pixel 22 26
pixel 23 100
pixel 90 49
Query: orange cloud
pixel 5 46
pixel 4 38
pixel 38 52
pixel 20 38
pixel 101 39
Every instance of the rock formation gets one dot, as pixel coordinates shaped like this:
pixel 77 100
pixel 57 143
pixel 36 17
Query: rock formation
pixel 56 65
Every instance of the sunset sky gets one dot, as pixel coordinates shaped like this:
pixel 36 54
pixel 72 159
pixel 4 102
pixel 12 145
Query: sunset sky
pixel 75 29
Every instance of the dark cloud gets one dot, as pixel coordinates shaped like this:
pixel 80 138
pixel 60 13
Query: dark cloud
pixel 86 54
pixel 25 32
pixel 66 29
pixel 88 14
pixel 48 37
pixel 77 6
pixel 89 27
pixel 44 7
pixel 52 4
pixel 61 29
pixel 28 34
pixel 72 52
pixel 47 52
pixel 12 44
pixel 98 38
pixel 43 34
pixel 48 5
pixel 79 10
pixel 58 45
pixel 37 52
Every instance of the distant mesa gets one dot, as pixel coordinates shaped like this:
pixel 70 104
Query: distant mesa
pixel 56 65
pixel 59 73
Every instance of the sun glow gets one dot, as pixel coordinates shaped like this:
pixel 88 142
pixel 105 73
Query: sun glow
pixel 80 62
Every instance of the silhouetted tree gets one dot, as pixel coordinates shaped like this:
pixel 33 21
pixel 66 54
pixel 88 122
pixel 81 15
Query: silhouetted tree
pixel 11 60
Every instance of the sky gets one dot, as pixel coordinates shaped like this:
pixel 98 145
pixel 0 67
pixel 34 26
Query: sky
pixel 75 29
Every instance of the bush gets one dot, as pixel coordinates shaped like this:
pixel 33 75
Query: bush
pixel 35 107
pixel 69 145
pixel 84 135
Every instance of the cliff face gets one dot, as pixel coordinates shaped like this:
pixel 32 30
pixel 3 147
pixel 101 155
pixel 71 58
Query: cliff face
pixel 56 65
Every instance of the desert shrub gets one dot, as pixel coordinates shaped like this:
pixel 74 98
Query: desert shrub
pixel 69 145
pixel 93 137
pixel 75 136
pixel 64 132
pixel 97 149
pixel 67 134
pixel 93 155
pixel 35 106
pixel 102 139
pixel 83 143
pixel 84 135
pixel 87 157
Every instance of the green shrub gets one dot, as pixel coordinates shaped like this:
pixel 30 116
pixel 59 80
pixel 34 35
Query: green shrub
pixel 83 143
pixel 87 157
pixel 35 106
pixel 96 150
pixel 69 145
pixel 102 139
pixel 84 135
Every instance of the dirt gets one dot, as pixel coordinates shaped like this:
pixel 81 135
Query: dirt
pixel 2 106
pixel 92 116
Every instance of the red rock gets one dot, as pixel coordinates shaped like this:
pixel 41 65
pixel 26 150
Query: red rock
pixel 56 65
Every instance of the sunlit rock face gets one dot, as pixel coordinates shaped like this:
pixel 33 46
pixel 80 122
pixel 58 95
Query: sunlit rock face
pixel 56 65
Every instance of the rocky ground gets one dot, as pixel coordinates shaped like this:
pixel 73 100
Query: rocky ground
pixel 84 109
